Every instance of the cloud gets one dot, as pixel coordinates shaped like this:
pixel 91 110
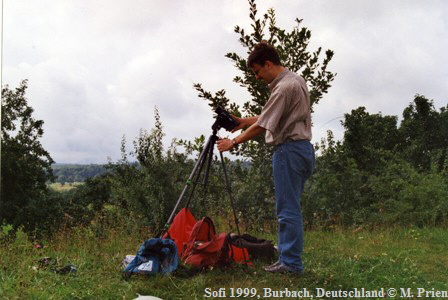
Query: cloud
pixel 385 53
pixel 97 69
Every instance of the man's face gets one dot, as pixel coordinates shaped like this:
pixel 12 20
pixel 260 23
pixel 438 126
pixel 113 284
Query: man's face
pixel 263 72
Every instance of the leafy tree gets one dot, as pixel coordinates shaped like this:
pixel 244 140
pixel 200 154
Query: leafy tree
pixel 367 137
pixel 382 173
pixel 425 134
pixel 26 165
pixel 146 189
pixel 333 194
pixel 81 204
pixel 293 50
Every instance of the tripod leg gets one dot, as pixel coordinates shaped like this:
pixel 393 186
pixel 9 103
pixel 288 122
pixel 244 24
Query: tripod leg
pixel 205 159
pixel 232 202
pixel 213 139
pixel 198 166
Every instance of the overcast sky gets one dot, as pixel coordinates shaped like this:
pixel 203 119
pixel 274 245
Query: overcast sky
pixel 96 69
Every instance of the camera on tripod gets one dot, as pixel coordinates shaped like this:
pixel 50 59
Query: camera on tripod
pixel 224 120
pixel 204 162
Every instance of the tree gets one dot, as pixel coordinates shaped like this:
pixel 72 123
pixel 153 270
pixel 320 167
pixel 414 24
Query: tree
pixel 147 189
pixel 293 50
pixel 26 165
pixel 425 134
pixel 368 136
pixel 85 202
pixel 382 173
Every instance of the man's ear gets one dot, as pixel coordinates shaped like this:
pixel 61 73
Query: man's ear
pixel 268 64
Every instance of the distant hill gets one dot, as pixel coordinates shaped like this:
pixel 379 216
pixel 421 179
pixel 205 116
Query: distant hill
pixel 76 172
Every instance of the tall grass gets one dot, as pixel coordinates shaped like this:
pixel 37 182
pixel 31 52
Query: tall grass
pixel 338 260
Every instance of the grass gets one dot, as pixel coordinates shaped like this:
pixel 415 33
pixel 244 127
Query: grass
pixel 339 260
pixel 63 187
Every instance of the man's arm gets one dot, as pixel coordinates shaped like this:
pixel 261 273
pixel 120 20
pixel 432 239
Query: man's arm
pixel 253 131
pixel 244 122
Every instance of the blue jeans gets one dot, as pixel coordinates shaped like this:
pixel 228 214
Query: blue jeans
pixel 293 163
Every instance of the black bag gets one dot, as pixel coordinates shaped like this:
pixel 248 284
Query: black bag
pixel 259 249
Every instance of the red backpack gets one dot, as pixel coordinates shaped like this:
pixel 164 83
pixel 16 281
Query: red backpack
pixel 205 248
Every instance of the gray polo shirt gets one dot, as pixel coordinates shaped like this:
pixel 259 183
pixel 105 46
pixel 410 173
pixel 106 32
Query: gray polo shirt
pixel 286 115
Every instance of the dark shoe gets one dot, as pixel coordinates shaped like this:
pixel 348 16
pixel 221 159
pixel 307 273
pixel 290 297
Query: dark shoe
pixel 281 268
pixel 266 268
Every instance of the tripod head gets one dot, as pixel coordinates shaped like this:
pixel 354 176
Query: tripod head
pixel 223 120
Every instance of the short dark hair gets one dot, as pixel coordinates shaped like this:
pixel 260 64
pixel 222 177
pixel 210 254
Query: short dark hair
pixel 261 53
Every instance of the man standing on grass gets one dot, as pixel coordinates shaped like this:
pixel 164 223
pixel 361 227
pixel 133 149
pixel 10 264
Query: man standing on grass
pixel 286 119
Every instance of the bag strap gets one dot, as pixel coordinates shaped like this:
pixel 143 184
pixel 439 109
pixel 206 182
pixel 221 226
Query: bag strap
pixel 206 221
pixel 211 232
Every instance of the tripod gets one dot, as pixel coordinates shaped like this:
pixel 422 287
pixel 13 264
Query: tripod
pixel 205 159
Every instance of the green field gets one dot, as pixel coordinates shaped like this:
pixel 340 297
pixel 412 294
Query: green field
pixel 62 187
pixel 412 261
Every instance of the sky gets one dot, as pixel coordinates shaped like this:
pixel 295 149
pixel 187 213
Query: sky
pixel 97 69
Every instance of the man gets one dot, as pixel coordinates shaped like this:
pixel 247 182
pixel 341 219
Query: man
pixel 286 120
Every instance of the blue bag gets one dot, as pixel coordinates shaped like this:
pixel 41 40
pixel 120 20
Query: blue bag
pixel 154 256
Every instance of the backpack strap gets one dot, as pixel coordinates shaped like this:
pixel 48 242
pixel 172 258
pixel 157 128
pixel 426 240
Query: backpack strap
pixel 203 230
pixel 204 247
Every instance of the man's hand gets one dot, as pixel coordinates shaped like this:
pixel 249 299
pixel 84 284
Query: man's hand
pixel 250 133
pixel 244 122
pixel 224 145
pixel 241 124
